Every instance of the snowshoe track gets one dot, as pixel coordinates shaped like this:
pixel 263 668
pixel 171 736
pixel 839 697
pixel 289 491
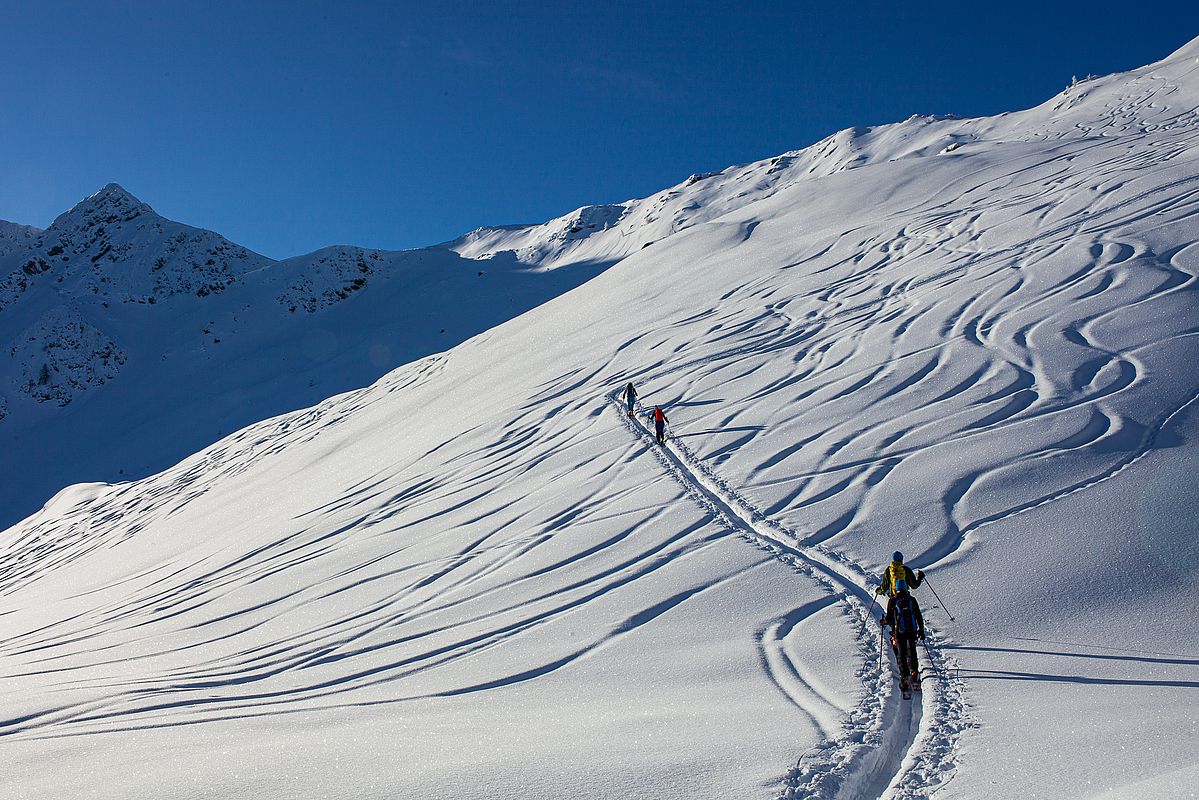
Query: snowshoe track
pixel 887 747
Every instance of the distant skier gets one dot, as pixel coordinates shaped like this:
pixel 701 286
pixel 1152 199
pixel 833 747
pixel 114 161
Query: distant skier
pixel 660 422
pixel 630 394
pixel 907 625
pixel 896 571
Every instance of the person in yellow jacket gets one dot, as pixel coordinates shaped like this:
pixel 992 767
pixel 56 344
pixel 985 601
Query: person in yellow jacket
pixel 897 571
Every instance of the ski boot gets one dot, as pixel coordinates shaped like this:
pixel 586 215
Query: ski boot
pixel 916 681
pixel 905 688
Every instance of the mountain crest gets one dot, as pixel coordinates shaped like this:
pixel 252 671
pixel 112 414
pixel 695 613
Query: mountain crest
pixel 114 191
pixel 113 246
pixel 111 204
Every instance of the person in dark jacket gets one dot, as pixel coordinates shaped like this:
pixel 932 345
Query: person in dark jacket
pixel 898 571
pixel 630 394
pixel 907 625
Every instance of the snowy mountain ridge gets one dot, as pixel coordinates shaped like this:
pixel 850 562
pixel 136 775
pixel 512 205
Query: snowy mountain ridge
pixel 1122 103
pixel 114 247
pixel 15 238
pixel 112 304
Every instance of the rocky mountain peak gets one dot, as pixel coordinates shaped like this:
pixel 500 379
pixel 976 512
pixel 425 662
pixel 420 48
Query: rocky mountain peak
pixel 112 204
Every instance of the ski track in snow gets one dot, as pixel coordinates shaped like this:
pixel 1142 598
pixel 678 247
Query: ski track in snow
pixel 998 341
pixel 887 747
pixel 1002 328
pixel 114 665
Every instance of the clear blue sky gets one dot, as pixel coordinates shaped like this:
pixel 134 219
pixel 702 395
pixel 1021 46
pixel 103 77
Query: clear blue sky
pixel 291 126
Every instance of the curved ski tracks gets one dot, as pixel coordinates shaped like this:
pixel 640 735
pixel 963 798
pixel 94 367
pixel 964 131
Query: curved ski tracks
pixel 887 747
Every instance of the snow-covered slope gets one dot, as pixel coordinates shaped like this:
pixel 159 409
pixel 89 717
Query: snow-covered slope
pixel 1141 101
pixel 130 341
pixel 477 578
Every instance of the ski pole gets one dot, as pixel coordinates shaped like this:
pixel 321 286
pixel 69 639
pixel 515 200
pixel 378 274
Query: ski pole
pixel 939 600
pixel 870 612
pixel 929 655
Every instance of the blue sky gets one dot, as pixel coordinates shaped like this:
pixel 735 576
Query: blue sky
pixel 291 126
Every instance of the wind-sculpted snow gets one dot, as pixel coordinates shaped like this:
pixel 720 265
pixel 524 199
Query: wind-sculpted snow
pixel 477 578
pixel 348 602
pixel 1011 357
pixel 871 750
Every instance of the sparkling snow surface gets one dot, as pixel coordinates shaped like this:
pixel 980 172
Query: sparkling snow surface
pixel 970 340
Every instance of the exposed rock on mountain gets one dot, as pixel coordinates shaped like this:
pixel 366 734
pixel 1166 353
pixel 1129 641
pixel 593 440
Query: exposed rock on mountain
pixel 62 355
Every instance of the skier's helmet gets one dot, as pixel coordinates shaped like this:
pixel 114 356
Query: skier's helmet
pixel 901 585
pixel 897 556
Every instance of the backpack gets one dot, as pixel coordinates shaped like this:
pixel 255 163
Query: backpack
pixel 905 616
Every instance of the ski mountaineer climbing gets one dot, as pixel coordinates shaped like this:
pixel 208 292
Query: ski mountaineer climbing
pixel 907 625
pixel 630 394
pixel 897 571
pixel 660 422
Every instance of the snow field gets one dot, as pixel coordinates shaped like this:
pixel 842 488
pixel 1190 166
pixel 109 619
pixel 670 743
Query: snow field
pixel 477 577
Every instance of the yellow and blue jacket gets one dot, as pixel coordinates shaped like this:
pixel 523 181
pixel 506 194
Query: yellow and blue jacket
pixel 896 571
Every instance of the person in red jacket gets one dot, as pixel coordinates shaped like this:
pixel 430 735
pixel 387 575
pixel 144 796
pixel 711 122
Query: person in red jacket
pixel 660 422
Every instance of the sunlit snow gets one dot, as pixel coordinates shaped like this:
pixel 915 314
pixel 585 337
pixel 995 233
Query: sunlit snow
pixel 972 340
